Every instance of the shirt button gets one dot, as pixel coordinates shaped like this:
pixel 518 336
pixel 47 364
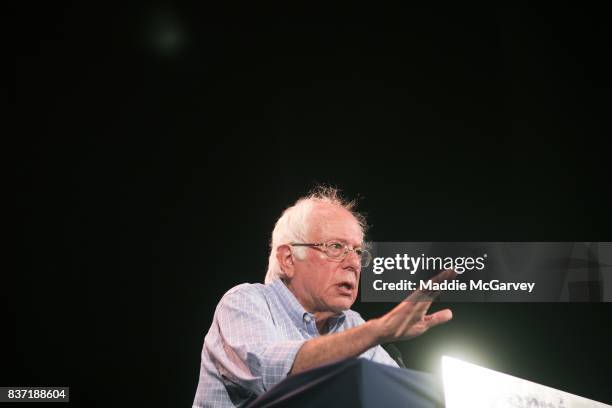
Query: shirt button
pixel 307 318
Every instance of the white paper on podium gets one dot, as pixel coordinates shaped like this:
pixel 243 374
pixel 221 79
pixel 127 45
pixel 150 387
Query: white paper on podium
pixel 468 385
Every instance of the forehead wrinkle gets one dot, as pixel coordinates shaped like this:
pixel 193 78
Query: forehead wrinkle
pixel 343 224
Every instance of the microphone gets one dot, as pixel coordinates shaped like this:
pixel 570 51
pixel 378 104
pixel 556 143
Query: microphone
pixel 395 353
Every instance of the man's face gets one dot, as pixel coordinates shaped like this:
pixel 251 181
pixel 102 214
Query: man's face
pixel 323 284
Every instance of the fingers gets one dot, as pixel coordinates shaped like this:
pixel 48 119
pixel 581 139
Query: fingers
pixel 444 275
pixel 430 295
pixel 410 319
pixel 439 317
pixel 421 296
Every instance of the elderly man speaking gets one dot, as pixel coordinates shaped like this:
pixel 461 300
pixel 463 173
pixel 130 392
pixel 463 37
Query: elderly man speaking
pixel 301 317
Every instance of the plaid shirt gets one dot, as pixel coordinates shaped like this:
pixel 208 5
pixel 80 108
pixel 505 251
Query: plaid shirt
pixel 255 335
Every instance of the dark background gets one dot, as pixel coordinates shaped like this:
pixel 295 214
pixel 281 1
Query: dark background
pixel 156 145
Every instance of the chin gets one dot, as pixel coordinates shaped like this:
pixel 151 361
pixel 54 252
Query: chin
pixel 342 305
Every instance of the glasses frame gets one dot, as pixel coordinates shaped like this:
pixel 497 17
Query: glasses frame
pixel 322 246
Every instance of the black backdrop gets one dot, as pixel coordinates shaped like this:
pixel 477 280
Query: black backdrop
pixel 157 144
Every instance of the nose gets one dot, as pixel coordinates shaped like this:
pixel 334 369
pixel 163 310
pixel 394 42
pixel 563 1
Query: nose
pixel 352 261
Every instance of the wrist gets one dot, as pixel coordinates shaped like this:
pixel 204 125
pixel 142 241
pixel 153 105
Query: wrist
pixel 376 329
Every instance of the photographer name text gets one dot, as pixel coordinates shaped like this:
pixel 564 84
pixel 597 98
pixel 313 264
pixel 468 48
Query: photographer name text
pixel 453 285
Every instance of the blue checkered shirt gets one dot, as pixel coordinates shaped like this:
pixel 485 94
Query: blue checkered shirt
pixel 255 335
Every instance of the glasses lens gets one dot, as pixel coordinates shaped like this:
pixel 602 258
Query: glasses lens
pixel 334 249
pixel 365 257
pixel 338 250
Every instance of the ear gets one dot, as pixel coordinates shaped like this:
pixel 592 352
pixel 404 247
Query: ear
pixel 285 260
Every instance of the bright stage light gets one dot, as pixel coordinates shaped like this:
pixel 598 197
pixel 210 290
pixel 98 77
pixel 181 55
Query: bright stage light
pixel 468 385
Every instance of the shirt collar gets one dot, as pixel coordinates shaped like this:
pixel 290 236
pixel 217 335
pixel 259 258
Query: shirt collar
pixel 296 311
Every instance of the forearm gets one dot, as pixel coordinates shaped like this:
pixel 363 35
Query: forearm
pixel 349 343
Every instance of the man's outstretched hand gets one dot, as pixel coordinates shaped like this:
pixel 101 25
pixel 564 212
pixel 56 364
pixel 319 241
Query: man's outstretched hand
pixel 410 319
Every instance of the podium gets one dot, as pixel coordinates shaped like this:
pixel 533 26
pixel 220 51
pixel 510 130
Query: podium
pixel 355 382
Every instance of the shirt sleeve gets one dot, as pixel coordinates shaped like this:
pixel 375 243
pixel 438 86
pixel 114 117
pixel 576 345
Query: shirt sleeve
pixel 250 351
pixel 380 355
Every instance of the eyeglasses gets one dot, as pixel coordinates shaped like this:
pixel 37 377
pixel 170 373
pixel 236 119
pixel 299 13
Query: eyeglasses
pixel 338 251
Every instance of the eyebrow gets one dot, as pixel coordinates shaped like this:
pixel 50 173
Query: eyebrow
pixel 344 241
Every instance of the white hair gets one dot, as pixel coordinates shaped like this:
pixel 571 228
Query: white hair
pixel 294 224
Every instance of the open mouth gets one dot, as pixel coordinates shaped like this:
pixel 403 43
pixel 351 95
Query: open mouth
pixel 346 288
